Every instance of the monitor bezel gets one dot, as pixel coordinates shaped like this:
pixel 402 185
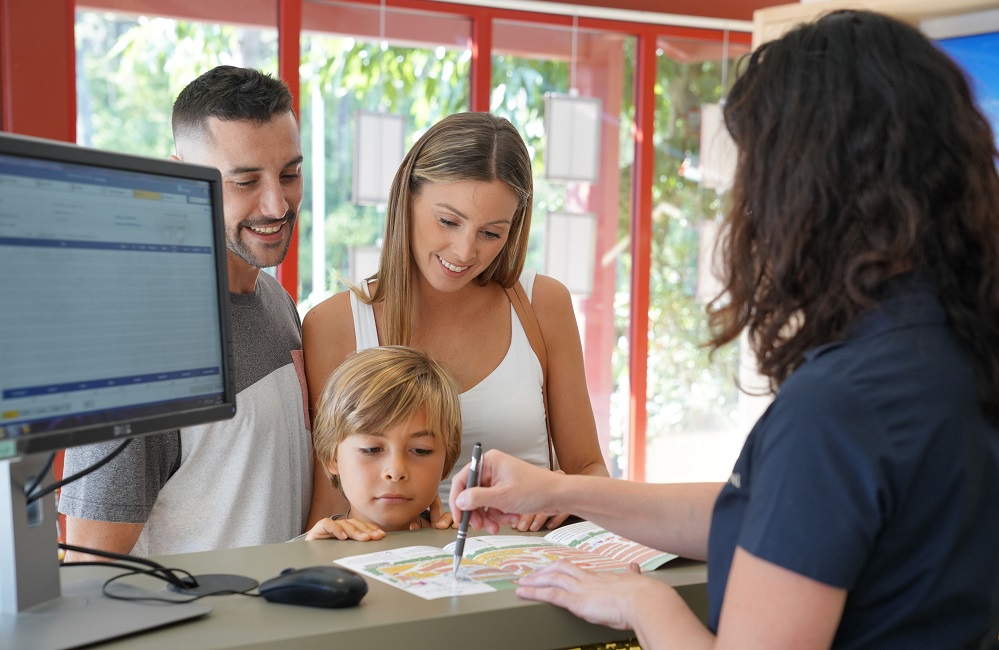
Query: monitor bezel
pixel 127 426
pixel 959 25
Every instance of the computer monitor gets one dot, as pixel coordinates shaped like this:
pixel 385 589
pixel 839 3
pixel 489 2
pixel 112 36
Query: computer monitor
pixel 972 40
pixel 114 322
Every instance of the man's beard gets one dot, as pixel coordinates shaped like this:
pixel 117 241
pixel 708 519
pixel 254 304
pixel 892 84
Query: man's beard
pixel 250 254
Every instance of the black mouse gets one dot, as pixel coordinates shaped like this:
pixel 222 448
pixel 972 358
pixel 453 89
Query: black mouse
pixel 316 586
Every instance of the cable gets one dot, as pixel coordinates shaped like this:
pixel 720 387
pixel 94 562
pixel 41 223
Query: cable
pixel 214 586
pixel 156 568
pixel 157 599
pixel 28 489
pixel 39 493
pixel 153 573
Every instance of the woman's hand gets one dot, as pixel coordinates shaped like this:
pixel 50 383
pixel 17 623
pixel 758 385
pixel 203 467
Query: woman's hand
pixel 345 529
pixel 607 598
pixel 437 515
pixel 443 522
pixel 508 488
pixel 535 522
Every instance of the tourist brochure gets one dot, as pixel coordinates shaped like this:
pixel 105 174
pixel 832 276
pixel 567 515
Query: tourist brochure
pixel 494 562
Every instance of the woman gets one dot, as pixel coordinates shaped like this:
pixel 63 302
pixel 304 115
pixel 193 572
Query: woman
pixel 456 234
pixel 863 259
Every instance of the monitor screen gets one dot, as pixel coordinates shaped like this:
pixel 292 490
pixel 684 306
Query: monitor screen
pixel 114 299
pixel 972 40
pixel 978 54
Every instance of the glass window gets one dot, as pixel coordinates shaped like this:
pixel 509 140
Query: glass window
pixel 357 58
pixel 697 417
pixel 130 68
pixel 530 60
pixel 416 64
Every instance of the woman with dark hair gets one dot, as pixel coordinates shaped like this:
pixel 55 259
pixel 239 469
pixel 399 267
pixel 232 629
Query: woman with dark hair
pixel 862 251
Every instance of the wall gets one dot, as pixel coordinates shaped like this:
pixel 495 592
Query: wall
pixel 733 9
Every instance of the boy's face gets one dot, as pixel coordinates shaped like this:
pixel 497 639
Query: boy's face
pixel 390 477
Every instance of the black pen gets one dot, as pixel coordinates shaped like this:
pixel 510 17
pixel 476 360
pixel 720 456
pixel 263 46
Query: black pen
pixel 473 480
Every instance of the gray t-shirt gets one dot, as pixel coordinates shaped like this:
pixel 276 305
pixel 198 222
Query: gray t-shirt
pixel 237 482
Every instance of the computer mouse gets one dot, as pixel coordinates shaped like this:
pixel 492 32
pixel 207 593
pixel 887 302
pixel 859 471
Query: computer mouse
pixel 315 586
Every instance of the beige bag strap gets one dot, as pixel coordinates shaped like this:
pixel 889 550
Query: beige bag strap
pixel 525 312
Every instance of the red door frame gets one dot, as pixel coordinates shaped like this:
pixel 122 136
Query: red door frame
pixel 289 22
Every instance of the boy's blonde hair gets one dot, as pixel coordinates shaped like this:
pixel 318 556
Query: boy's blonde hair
pixel 375 389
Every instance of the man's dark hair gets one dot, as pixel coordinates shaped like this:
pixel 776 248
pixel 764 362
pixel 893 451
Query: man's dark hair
pixel 229 93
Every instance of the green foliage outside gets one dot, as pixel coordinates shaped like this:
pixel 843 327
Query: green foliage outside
pixel 687 391
pixel 131 69
pixel 423 85
pixel 518 93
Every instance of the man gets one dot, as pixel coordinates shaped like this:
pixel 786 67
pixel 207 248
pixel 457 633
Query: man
pixel 247 480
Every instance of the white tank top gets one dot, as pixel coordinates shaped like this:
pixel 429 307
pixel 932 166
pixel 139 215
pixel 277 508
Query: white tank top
pixel 505 410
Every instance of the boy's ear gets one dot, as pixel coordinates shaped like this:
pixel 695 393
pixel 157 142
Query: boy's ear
pixel 332 468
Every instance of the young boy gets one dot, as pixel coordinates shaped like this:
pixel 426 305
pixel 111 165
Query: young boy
pixel 388 430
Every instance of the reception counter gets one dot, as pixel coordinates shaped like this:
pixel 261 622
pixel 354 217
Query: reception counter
pixel 386 618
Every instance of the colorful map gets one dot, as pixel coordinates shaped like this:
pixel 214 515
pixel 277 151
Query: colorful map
pixel 493 562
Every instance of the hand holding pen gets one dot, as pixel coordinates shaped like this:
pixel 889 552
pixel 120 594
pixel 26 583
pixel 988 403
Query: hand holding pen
pixel 473 480
pixel 507 488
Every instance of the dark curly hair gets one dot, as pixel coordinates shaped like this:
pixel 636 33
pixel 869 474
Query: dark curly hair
pixel 862 156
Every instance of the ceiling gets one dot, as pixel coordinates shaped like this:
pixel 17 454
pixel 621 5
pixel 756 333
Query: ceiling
pixel 731 9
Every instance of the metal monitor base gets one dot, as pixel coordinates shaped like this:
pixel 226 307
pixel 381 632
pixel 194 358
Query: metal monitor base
pixel 36 610
pixel 84 616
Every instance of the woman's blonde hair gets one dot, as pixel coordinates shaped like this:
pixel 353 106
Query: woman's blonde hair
pixel 377 388
pixel 460 147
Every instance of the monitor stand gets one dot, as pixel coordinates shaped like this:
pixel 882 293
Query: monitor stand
pixel 35 612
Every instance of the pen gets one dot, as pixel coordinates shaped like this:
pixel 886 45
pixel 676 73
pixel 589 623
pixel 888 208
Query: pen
pixel 473 480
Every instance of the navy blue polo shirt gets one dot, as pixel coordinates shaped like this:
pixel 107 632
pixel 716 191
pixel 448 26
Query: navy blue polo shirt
pixel 874 470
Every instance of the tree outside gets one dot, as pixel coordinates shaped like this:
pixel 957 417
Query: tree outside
pixel 131 68
pixel 339 77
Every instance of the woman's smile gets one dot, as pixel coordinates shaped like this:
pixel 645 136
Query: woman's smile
pixel 453 268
